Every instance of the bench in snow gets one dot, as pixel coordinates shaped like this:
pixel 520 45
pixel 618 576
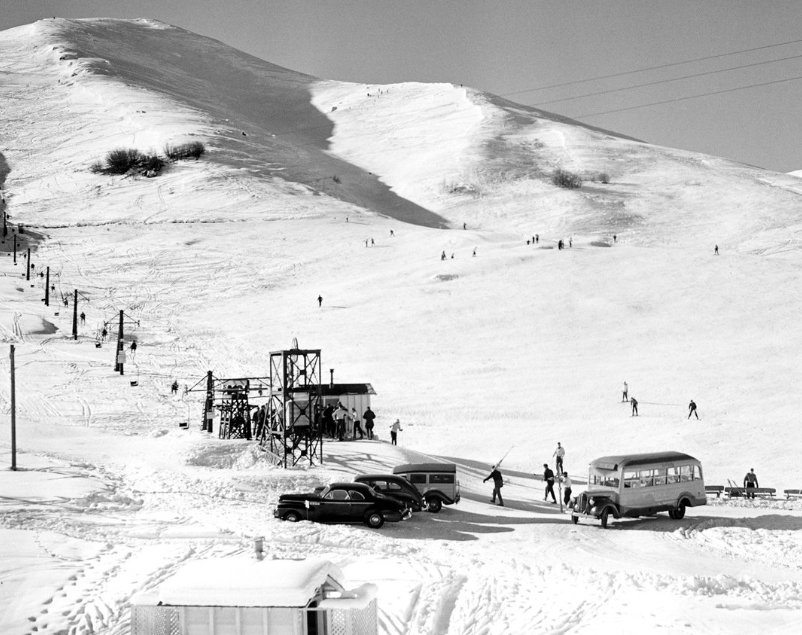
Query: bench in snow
pixel 761 492
pixel 714 489
pixel 792 493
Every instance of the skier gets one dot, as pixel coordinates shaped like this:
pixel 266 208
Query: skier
pixel 625 395
pixel 133 349
pixel 357 426
pixel 174 387
pixel 443 256
pixel 715 251
pixel 474 251
pixel 83 318
pixel 537 238
pixel 394 431
pixel 369 416
pixel 750 482
pixel 559 453
pixel 391 233
pixel 103 334
pixel 320 300
pixel 692 410
pixel 566 481
pixel 372 243
pixel 634 403
pixel 548 477
pixel 464 225
pixel 498 483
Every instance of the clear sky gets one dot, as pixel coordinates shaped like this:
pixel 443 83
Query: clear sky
pixel 510 46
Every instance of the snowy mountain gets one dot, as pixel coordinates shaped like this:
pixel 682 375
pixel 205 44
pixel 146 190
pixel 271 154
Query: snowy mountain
pixel 352 192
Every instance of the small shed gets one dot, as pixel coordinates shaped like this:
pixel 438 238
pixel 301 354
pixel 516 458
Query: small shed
pixel 349 395
pixel 246 597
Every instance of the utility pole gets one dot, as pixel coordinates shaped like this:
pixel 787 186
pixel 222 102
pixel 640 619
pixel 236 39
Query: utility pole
pixel 47 288
pixel 208 408
pixel 15 249
pixel 13 415
pixel 28 272
pixel 120 355
pixel 5 225
pixel 75 316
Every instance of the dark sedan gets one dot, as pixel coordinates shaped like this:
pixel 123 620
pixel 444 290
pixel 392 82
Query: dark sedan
pixel 342 503
pixel 396 487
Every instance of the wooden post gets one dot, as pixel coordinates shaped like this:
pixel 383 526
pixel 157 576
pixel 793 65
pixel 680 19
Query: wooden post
pixel 13 415
pixel 75 316
pixel 208 408
pixel 47 288
pixel 15 249
pixel 120 354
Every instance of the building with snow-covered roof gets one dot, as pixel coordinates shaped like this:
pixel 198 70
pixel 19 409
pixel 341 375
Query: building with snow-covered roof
pixel 245 597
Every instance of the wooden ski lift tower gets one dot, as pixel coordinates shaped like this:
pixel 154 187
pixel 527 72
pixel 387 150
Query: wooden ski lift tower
pixel 292 428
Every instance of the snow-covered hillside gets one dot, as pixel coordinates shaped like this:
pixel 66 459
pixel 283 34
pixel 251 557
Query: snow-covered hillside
pixel 352 192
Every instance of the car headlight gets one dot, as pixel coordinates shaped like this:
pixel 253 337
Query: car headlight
pixel 592 502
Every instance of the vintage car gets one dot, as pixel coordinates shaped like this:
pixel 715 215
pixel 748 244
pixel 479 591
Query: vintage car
pixel 342 503
pixel 632 485
pixel 437 482
pixel 396 487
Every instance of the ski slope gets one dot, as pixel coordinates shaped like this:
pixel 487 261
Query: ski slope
pixel 220 261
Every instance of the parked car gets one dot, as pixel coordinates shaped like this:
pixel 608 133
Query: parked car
pixel 396 487
pixel 632 485
pixel 437 482
pixel 342 503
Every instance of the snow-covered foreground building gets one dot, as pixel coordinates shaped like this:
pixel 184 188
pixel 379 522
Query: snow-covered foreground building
pixel 265 597
pixel 312 188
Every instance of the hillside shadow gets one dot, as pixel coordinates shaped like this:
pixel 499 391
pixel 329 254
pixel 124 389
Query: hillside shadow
pixel 663 524
pixel 267 125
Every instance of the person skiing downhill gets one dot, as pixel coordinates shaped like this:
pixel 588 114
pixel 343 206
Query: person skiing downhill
pixel 692 409
pixel 498 483
pixel 548 478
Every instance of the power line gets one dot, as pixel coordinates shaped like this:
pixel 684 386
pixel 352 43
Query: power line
pixel 650 68
pixel 666 81
pixel 668 101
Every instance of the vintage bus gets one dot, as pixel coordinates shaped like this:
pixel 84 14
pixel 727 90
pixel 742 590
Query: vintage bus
pixel 632 485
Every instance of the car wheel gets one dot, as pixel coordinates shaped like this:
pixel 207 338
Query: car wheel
pixel 603 518
pixel 679 512
pixel 292 517
pixel 435 505
pixel 574 519
pixel 671 513
pixel 374 520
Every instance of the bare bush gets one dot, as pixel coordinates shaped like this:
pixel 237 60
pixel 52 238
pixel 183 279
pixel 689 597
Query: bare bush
pixel 191 150
pixel 566 179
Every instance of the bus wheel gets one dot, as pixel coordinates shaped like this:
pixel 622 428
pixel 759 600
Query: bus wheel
pixel 603 519
pixel 679 512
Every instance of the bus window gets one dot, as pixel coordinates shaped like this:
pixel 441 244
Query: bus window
pixel 659 476
pixel 686 472
pixel 646 478
pixel 631 479
pixel 673 475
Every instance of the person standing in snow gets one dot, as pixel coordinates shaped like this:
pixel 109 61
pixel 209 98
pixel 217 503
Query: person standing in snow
pixel 392 233
pixel 750 482
pixel 548 478
pixel 537 238
pixel 559 453
pixel 357 426
pixel 133 349
pixel 692 409
pixel 369 417
pixel 566 481
pixel 320 300
pixel 715 251
pixel 340 416
pixel 443 256
pixel 634 403
pixel 498 483
pixel 394 431
pixel 625 394
pixel 83 318
pixel 174 387
pixel 328 420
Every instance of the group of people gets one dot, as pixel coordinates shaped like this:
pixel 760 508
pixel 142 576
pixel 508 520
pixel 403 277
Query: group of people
pixel 334 421
pixel 549 479
pixel 634 403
